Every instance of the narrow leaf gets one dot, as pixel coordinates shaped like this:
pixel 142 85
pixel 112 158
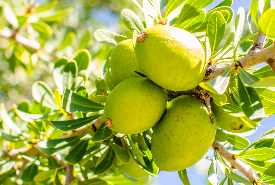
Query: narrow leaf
pixel 121 153
pixel 265 82
pixel 77 152
pixel 82 58
pixel 102 133
pixel 237 141
pixel 267 97
pixel 239 26
pixel 7 119
pixel 212 174
pixel 215 31
pixel 69 74
pixel 262 154
pixel 106 163
pixel 183 177
pixel 58 73
pixel 73 102
pixel 254 11
pixel 10 15
pixel 247 78
pixel 56 16
pixel 44 175
pixel 172 5
pixel 265 167
pixel 108 38
pixel 29 117
pixel 131 20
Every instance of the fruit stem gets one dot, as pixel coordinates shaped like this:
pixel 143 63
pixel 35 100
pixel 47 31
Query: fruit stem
pixel 109 123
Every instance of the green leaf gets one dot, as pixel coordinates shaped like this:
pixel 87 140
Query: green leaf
pixel 237 141
pixel 220 136
pixel 239 26
pixel 267 23
pixel 267 180
pixel 219 100
pixel 266 143
pixel 68 40
pixel 82 58
pixel 105 163
pixel 102 133
pixel 267 97
pixel 56 16
pixel 52 146
pixel 6 166
pixel 261 154
pixel 69 74
pixel 219 84
pixel 85 40
pixel 29 173
pixel 254 11
pixel 7 119
pixel 151 10
pixel 77 152
pixel 264 72
pixel 250 101
pixel 192 20
pixel 44 29
pixel 58 73
pixel 56 179
pixel 72 124
pixel 131 20
pixel 225 3
pixel 225 47
pixel 265 167
pixel 212 173
pixel 265 82
pixel 183 177
pixel 44 175
pixel 121 153
pixel 94 181
pixel 108 38
pixel 101 85
pixel 73 102
pixel 46 6
pixel 172 5
pixel 10 15
pixel 42 93
pixel 52 163
pixel 215 31
pixel 247 78
pixel 29 117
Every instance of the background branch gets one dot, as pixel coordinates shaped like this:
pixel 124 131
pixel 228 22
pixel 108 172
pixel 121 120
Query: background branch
pixel 235 162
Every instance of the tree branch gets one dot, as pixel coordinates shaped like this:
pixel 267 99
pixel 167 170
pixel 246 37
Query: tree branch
pixel 30 43
pixel 255 55
pixel 235 162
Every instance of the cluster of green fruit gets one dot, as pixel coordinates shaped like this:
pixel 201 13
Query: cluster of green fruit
pixel 172 59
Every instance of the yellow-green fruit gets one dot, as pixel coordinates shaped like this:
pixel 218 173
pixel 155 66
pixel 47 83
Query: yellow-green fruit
pixel 231 123
pixel 123 61
pixel 171 57
pixel 135 105
pixel 183 135
pixel 132 168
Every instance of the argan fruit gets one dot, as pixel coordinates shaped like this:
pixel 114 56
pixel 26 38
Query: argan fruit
pixel 183 135
pixel 231 123
pixel 135 105
pixel 132 168
pixel 171 57
pixel 123 61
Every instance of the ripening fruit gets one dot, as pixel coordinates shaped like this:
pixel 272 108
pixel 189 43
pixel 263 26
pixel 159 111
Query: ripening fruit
pixel 132 168
pixel 123 61
pixel 231 123
pixel 171 57
pixel 135 105
pixel 183 135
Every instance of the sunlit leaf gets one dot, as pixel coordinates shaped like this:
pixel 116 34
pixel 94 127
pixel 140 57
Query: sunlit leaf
pixel 102 133
pixel 121 153
pixel 239 26
pixel 237 141
pixel 44 175
pixel 172 5
pixel 131 20
pixel 56 16
pixel 262 154
pixel 77 152
pixel 220 136
pixel 7 119
pixel 69 74
pixel 267 23
pixel 108 38
pixel 183 177
pixel 106 163
pixel 265 167
pixel 10 15
pixel 29 117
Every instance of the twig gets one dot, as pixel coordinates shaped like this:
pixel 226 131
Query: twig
pixel 235 162
pixel 30 43
pixel 69 173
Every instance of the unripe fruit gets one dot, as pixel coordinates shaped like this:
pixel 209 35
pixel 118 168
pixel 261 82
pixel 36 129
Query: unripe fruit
pixel 132 168
pixel 171 57
pixel 183 135
pixel 123 61
pixel 135 105
pixel 231 123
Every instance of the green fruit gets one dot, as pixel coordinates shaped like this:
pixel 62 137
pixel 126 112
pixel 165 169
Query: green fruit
pixel 123 61
pixel 183 135
pixel 231 123
pixel 171 57
pixel 132 168
pixel 135 105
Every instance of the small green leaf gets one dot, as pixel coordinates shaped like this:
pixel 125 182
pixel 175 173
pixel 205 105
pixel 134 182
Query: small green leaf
pixel 264 72
pixel 72 124
pixel 85 40
pixel 46 6
pixel 56 179
pixel 225 3
pixel 254 11
pixel 212 173
pixel 108 38
pixel 267 97
pixel 29 173
pixel 247 78
pixel 226 46
pixel 239 26
pixel 77 152
pixel 219 100
pixel 52 163
pixel 102 133
pixel 58 73
pixel 101 86
pixel 250 101
pixel 220 136
pixel 265 82
pixel 73 102
pixel 267 180
pixel 44 29
pixel 192 20
pixel 215 31
pixel 183 177
pixel 9 137
pixel 10 15
pixel 42 93
pixel 219 84
pixel 56 16
pixel 69 74
pixel 105 163
pixel 266 143
pixel 237 141
pixel 265 167
pixel 29 117
pixel 68 40
pixel 262 154
pixel 44 175
pixel 82 58
pixel 151 10
pixel 7 119
pixel 121 153
pixel 131 20
pixel 172 5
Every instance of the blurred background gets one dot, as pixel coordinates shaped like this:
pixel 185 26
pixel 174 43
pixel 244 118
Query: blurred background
pixel 20 67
